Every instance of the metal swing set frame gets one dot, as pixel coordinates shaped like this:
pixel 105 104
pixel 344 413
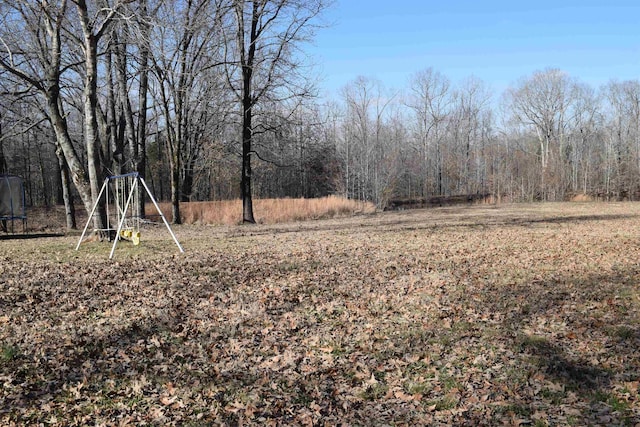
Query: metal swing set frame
pixel 125 194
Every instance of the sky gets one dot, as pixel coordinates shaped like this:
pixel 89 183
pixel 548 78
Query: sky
pixel 496 41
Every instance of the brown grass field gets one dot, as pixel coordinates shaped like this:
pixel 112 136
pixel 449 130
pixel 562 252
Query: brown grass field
pixel 268 211
pixel 483 315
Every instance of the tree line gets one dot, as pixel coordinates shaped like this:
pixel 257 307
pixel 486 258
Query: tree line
pixel 217 99
pixel 548 137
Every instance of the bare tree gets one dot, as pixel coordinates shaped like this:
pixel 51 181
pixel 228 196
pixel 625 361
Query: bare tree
pixel 33 55
pixel 95 21
pixel 263 64
pixel 184 55
pixel 370 151
pixel 623 134
pixel 430 99
pixel 543 102
pixel 583 151
pixel 359 97
pixel 123 121
pixel 467 123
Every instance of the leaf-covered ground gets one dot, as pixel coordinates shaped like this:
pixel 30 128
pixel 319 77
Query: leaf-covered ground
pixel 517 315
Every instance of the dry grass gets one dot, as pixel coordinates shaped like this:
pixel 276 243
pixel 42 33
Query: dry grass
pixel 268 211
pixel 582 198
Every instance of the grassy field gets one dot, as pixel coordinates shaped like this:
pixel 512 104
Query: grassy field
pixel 516 315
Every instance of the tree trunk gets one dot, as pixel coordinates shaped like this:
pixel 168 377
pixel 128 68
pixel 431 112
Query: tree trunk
pixel 63 140
pixel 113 145
pixel 90 106
pixel 141 159
pixel 91 127
pixel 188 179
pixel 44 180
pixel 245 183
pixel 3 160
pixel 125 105
pixel 136 142
pixel 69 208
pixel 247 62
pixel 175 186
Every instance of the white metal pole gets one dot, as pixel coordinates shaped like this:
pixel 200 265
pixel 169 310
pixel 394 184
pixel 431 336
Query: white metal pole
pixel 175 239
pixel 95 205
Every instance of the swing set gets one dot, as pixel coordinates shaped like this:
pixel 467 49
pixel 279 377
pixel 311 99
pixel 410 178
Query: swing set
pixel 125 203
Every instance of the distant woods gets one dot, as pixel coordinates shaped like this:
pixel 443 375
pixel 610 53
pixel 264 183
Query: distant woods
pixel 548 137
pixel 217 99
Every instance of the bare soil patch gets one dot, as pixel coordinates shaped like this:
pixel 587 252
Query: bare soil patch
pixel 518 315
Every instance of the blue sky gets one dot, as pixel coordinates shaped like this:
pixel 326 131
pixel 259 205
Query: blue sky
pixel 496 41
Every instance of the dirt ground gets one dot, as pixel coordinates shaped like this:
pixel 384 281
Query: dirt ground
pixel 483 315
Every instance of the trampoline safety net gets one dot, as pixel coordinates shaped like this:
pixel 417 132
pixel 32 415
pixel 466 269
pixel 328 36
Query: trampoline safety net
pixel 11 199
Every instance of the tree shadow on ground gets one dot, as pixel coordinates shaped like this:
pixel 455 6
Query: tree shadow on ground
pixel 575 374
pixel 569 219
pixel 566 357
pixel 415 220
pixel 29 236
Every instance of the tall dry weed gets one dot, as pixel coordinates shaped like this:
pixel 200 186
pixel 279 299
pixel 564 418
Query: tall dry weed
pixel 267 211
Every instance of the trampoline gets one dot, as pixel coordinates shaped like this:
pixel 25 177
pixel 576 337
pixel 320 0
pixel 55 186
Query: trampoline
pixel 12 203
